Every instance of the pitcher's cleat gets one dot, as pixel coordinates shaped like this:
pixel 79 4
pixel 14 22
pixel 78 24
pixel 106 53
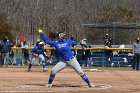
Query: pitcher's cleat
pixel 48 85
pixel 91 85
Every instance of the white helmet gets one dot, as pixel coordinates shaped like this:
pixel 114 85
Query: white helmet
pixel 106 34
pixel 61 36
pixel 41 43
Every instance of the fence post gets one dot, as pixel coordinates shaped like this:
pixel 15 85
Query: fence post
pixel 103 55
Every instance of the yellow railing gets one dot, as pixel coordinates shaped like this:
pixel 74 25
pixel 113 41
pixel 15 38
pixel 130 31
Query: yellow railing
pixel 76 48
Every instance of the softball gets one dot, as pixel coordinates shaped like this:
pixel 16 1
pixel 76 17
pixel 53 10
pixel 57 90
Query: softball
pixel 40 31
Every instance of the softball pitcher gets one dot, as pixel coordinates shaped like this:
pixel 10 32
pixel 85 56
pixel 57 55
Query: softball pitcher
pixel 63 47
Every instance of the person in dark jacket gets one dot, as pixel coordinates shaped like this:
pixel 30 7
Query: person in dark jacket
pixel 73 39
pixel 136 53
pixel 5 48
pixel 26 56
pixel 108 53
pixel 86 54
pixel 107 40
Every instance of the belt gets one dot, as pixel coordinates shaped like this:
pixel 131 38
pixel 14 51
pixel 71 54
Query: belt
pixel 70 58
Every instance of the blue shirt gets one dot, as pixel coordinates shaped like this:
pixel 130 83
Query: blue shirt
pixel 62 47
pixel 38 50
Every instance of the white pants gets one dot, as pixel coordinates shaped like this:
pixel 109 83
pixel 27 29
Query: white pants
pixel 41 58
pixel 73 63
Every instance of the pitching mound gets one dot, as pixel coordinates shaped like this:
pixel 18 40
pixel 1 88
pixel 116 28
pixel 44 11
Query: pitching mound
pixel 64 87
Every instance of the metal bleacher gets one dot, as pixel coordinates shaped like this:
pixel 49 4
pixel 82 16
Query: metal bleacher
pixel 121 59
pixel 98 58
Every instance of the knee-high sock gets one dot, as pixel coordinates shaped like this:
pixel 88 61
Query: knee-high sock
pixel 30 65
pixel 85 78
pixel 43 64
pixel 51 79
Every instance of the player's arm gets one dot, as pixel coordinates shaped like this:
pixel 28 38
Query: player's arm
pixel 44 51
pixel 33 51
pixel 47 41
pixel 72 42
pixel 133 48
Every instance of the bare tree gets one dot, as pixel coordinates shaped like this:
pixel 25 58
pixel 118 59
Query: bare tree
pixel 67 16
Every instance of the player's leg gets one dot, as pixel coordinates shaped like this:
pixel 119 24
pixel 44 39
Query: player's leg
pixel 6 59
pixel 137 66
pixel 30 62
pixel 39 62
pixel 42 60
pixel 4 65
pixel 2 59
pixel 76 66
pixel 135 61
pixel 58 67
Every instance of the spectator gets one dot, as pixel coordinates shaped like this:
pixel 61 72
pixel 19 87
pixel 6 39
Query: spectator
pixel 85 53
pixel 84 43
pixel 107 41
pixel 136 53
pixel 108 53
pixel 21 40
pixel 5 48
pixel 74 51
pixel 25 53
pixel 79 57
pixel 25 44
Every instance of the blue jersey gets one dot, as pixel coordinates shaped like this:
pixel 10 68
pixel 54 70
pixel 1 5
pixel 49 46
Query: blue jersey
pixel 38 50
pixel 62 47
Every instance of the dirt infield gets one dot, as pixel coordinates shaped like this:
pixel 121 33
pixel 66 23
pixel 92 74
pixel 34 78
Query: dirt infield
pixel 107 80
